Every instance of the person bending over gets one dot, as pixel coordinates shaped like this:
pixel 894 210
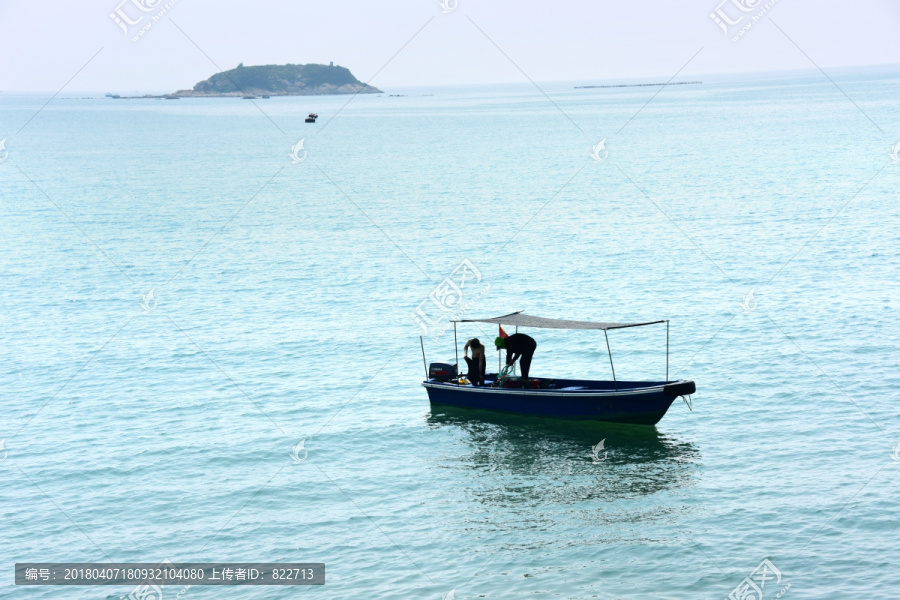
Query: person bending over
pixel 477 363
pixel 518 346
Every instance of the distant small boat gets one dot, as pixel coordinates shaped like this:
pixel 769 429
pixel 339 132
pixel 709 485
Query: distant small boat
pixel 250 98
pixel 312 118
pixel 265 97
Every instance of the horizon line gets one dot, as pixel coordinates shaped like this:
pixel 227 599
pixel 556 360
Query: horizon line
pixel 604 81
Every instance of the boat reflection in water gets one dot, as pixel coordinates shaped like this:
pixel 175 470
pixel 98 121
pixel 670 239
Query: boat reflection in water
pixel 530 460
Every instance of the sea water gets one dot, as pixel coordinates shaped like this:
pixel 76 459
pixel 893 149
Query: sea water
pixel 188 294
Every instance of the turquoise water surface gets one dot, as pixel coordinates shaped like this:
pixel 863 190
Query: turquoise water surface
pixel 758 214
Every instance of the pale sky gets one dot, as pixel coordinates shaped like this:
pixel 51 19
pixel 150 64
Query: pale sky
pixel 45 43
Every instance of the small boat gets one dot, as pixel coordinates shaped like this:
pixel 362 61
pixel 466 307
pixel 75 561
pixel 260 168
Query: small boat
pixel 249 98
pixel 312 118
pixel 633 402
pixel 265 97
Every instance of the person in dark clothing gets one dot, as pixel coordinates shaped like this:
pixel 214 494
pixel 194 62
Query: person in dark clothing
pixel 518 346
pixel 477 363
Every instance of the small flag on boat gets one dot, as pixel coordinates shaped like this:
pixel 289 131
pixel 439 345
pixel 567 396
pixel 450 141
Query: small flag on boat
pixel 503 334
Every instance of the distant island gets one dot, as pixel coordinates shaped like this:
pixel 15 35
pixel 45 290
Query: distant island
pixel 585 87
pixel 273 80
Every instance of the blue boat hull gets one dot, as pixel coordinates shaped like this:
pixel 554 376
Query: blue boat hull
pixel 635 402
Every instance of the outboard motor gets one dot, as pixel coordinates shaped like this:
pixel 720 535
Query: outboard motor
pixel 442 372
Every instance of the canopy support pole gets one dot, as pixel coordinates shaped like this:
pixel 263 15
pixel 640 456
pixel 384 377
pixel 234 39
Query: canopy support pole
pixel 424 362
pixel 456 348
pixel 667 349
pixel 610 360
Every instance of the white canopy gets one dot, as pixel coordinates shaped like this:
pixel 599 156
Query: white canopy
pixel 520 319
